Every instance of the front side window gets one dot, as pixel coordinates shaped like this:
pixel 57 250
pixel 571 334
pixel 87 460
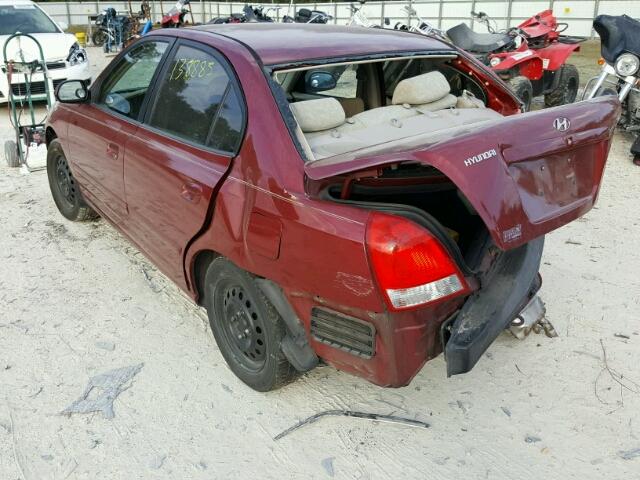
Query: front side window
pixel 25 19
pixel 127 84
pixel 196 101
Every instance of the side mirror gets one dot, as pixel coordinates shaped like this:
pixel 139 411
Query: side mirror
pixel 72 91
pixel 64 26
pixel 387 21
pixel 319 81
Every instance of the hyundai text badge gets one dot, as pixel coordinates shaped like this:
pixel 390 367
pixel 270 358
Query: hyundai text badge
pixel 561 124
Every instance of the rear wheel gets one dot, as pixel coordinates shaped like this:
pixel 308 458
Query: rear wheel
pixel 64 189
pixel 247 328
pixel 11 153
pixel 567 89
pixel 523 89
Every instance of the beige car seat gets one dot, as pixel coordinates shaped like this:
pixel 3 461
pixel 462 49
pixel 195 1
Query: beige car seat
pixel 420 105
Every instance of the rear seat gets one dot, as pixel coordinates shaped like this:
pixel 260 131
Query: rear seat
pixel 420 105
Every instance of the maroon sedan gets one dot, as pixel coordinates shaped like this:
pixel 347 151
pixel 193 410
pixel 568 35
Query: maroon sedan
pixel 365 197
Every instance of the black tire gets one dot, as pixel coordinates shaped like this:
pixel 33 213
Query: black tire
pixel 635 151
pixel 64 189
pixel 99 37
pixel 11 154
pixel 247 328
pixel 523 89
pixel 567 89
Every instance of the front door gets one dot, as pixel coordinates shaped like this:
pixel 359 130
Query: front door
pixel 99 132
pixel 185 145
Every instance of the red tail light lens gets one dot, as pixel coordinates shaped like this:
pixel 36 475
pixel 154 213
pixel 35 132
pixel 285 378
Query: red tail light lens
pixel 411 266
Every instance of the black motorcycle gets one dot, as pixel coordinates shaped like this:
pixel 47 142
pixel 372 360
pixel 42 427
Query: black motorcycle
pixel 249 14
pixel 252 14
pixel 304 15
pixel 620 48
pixel 112 30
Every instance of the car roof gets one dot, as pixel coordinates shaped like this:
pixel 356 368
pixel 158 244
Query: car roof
pixel 286 43
pixel 5 3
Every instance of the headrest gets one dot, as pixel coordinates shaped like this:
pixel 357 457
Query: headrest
pixel 317 115
pixel 425 88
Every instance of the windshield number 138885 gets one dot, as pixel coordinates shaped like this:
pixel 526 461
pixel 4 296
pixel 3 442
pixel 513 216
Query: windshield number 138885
pixel 188 68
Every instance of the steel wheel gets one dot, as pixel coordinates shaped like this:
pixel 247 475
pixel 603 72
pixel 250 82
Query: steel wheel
pixel 65 183
pixel 247 328
pixel 243 326
pixel 64 188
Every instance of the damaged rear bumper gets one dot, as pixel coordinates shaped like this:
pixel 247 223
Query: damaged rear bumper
pixel 513 282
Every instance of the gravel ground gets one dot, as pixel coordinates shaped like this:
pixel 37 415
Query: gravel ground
pixel 77 300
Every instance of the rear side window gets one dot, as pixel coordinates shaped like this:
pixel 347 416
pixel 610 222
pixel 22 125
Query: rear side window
pixel 196 101
pixel 227 131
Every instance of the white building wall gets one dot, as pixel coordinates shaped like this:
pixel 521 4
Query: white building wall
pixel 578 14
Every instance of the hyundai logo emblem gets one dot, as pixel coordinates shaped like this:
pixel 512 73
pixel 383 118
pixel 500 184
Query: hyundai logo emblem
pixel 561 124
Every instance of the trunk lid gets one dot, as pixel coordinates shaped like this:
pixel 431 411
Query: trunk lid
pixel 525 175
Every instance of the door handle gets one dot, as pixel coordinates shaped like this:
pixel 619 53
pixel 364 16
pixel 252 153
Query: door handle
pixel 113 150
pixel 191 192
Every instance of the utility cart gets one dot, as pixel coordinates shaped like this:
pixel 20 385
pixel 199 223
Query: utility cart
pixel 23 72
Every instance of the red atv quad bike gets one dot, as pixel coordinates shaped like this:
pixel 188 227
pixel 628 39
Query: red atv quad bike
pixel 530 57
pixel 174 18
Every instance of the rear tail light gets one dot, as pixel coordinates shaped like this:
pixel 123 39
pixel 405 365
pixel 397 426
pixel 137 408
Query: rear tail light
pixel 410 265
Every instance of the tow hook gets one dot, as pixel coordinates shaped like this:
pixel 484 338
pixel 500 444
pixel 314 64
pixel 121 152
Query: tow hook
pixel 532 318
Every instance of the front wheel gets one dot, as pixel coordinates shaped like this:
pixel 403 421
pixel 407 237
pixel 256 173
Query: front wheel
pixel 64 189
pixel 247 328
pixel 567 89
pixel 99 37
pixel 523 89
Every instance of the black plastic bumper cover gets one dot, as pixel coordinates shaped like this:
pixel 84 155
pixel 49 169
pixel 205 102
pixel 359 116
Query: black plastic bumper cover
pixel 294 345
pixel 513 282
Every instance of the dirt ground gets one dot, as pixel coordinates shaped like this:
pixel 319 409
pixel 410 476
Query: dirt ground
pixel 77 300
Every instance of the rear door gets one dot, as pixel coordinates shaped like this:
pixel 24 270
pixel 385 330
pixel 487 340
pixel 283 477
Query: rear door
pixel 99 132
pixel 191 132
